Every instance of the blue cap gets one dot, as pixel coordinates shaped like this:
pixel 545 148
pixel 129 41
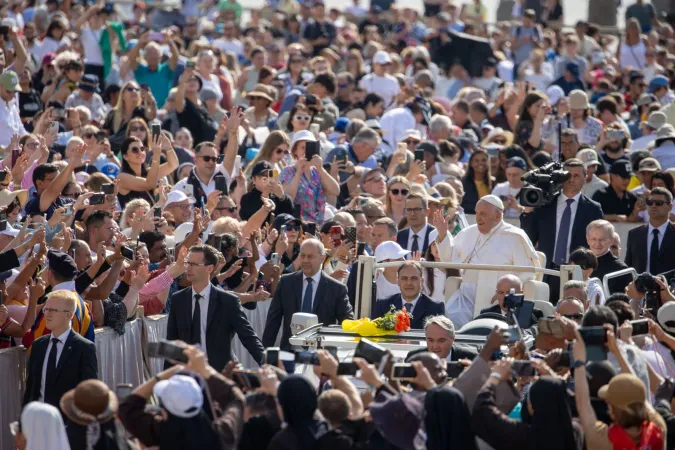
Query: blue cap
pixel 516 161
pixel 657 82
pixel 110 170
pixel 341 124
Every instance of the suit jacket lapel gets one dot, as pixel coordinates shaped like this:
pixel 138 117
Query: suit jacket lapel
pixel 65 353
pixel 318 295
pixel 297 290
pixel 420 307
pixel 184 316
pixel 214 304
pixel 405 235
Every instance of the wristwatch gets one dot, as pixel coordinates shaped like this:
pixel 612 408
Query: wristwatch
pixel 577 363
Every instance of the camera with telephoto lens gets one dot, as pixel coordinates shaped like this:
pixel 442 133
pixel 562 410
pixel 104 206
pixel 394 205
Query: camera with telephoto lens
pixel 542 185
pixel 646 284
pixel 513 300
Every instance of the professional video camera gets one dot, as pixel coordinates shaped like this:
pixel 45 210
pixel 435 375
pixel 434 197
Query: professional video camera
pixel 542 184
pixel 646 284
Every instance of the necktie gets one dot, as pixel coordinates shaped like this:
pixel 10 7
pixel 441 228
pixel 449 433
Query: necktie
pixel 51 362
pixel 415 246
pixel 409 307
pixel 654 252
pixel 307 299
pixel 563 234
pixel 196 329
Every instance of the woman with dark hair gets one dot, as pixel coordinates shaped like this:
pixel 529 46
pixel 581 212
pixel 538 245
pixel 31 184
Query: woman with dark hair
pixel 531 118
pixel 477 181
pixel 136 180
pixel 373 106
pixel 55 38
pixel 447 420
pixel 299 118
pixel 550 423
pixel 588 262
pixel 293 30
pixel 29 98
pixel 664 180
pixel 298 401
pixel 138 128
pixel 292 74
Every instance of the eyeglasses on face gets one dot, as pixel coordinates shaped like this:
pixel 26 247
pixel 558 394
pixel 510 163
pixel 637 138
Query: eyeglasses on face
pixel 302 117
pixel 403 192
pixel 209 158
pixel 281 150
pixel 413 210
pixel 228 208
pixel 132 89
pixel 31 144
pixel 183 207
pixel 135 129
pixel 54 310
pixel 137 149
pixel 499 141
pixel 577 316
pixel 651 202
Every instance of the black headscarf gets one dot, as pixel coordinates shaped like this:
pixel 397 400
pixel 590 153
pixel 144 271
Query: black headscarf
pixel 552 420
pixel 298 401
pixel 447 421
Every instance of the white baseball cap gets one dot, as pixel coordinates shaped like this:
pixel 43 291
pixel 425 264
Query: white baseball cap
pixel 412 133
pixel 177 197
pixel 589 157
pixel 381 57
pixel 666 316
pixel 181 232
pixel 389 250
pixel 302 135
pixel 180 395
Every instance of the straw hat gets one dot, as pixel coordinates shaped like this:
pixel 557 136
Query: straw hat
pixel 90 402
pixel 260 90
pixel 498 132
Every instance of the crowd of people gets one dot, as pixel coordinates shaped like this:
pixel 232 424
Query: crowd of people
pixel 209 163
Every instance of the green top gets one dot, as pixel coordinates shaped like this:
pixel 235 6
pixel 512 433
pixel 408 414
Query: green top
pixel 224 5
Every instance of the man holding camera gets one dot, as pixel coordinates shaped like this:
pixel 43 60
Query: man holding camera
pixel 651 247
pixel 569 213
pixel 504 286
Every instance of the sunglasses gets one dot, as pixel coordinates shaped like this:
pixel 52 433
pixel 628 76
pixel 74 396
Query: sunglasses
pixel 411 142
pixel 305 118
pixel 292 227
pixel 656 202
pixel 577 316
pixel 403 192
pixel 135 129
pixel 499 141
pixel 88 135
pixel 281 150
pixel 209 158
pixel 132 89
pixel 137 149
pixel 254 98
pixel 375 180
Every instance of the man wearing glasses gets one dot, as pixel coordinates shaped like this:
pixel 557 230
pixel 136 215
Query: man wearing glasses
pixel 205 315
pixel 226 207
pixel 416 237
pixel 59 360
pixel 203 176
pixel 180 206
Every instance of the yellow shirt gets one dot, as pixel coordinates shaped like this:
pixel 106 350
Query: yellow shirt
pixel 482 188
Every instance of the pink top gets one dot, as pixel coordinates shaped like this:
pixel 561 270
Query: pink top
pixel 27 181
pixel 148 295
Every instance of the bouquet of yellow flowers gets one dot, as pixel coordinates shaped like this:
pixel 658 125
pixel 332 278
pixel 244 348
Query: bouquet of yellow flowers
pixel 395 321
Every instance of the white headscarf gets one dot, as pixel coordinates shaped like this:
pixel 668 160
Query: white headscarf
pixel 43 427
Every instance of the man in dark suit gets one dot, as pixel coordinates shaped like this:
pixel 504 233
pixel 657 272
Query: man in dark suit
pixel 416 237
pixel 440 334
pixel 568 214
pixel 410 279
pixel 309 291
pixel 651 247
pixel 504 286
pixel 600 236
pixel 61 360
pixel 206 315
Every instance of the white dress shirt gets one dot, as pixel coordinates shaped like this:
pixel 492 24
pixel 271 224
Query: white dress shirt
pixel 10 120
pixel 315 285
pixel 208 188
pixel 650 238
pixel 421 234
pixel 59 349
pixel 414 302
pixel 560 209
pixel 203 310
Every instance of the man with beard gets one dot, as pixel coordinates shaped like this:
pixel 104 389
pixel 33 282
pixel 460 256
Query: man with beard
pixel 610 148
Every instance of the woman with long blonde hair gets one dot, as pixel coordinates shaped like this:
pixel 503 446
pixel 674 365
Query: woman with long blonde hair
pixel 132 102
pixel 398 189
pixel 274 150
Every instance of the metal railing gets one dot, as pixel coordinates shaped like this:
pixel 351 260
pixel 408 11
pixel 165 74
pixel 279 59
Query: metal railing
pixel 367 266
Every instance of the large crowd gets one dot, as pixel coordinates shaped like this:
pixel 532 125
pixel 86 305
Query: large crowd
pixel 209 162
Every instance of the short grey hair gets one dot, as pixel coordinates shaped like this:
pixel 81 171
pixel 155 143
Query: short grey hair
pixel 577 284
pixel 603 225
pixel 442 322
pixel 439 123
pixel 367 136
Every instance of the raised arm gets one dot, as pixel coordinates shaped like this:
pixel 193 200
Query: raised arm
pixel 233 140
pixel 180 92
pixel 134 54
pixel 136 183
pixel 88 14
pixel 54 189
pixel 171 163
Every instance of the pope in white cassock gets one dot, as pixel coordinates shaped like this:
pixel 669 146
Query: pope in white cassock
pixel 489 241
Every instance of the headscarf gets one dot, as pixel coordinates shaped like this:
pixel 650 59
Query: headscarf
pixel 447 421
pixel 552 420
pixel 43 428
pixel 298 401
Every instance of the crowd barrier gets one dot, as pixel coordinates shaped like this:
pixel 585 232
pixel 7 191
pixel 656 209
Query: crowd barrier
pixel 621 228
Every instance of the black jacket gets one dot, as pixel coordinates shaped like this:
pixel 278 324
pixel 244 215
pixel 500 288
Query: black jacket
pixel 425 307
pixel 224 317
pixel 456 353
pixel 331 305
pixel 470 196
pixel 251 202
pixel 404 235
pixel 636 250
pixel 609 263
pixel 77 363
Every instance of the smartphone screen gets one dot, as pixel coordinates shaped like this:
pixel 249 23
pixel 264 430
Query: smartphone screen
pixel 97 199
pixel 640 327
pixel 221 184
pixel 156 130
pixel 403 371
pixel 369 351
pixel 312 148
pixel 419 155
pixel 108 188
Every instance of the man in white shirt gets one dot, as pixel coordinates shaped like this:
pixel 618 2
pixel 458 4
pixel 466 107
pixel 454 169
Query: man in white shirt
pixel 229 42
pixel 656 120
pixel 591 183
pixel 396 122
pixel 380 82
pixel 203 176
pixel 10 120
